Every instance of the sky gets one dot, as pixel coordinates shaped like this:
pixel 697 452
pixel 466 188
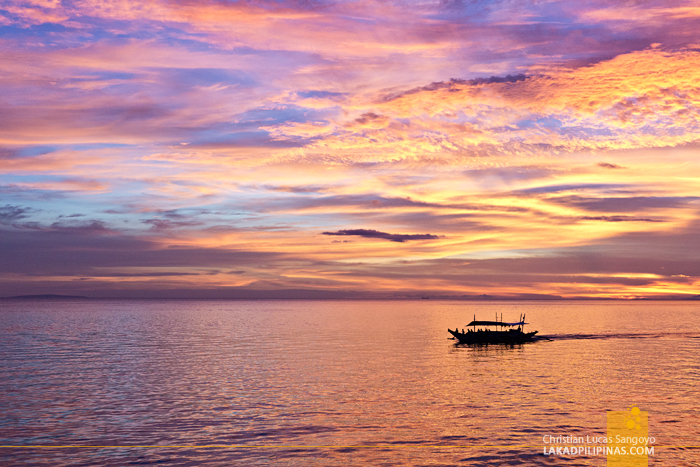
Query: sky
pixel 350 149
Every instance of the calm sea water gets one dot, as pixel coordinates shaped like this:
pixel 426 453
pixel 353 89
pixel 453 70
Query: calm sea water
pixel 312 382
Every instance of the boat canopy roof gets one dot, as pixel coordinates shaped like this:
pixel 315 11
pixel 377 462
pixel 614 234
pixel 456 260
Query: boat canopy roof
pixel 495 323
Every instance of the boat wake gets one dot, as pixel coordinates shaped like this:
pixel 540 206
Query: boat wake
pixel 650 335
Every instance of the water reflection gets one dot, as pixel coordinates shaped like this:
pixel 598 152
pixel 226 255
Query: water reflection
pixel 489 347
pixel 316 380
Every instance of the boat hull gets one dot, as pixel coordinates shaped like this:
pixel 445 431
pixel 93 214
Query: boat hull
pixel 493 337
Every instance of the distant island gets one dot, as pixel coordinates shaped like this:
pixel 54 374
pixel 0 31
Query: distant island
pixel 45 297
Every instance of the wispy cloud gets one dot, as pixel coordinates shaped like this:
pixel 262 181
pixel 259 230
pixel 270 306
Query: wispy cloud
pixel 369 233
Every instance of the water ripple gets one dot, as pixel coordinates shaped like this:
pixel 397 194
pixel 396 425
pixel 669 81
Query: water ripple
pixel 333 383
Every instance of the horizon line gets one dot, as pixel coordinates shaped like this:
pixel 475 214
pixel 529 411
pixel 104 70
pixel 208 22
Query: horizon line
pixel 471 298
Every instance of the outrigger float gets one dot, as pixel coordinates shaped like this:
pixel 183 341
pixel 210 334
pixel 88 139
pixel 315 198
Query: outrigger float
pixel 514 334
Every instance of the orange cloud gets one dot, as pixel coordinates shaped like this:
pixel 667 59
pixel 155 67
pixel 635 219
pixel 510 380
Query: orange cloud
pixel 637 100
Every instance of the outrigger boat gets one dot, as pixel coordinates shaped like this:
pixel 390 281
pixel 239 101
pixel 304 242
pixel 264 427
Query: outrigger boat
pixel 513 334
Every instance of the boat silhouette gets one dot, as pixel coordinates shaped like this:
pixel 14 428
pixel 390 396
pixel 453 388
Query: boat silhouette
pixel 494 332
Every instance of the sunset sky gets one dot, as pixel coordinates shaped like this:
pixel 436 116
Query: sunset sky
pixel 350 148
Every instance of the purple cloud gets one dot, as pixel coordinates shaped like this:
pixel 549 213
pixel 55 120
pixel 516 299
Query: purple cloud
pixel 369 233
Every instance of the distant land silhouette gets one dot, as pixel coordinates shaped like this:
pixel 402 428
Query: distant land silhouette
pixel 235 293
pixel 46 296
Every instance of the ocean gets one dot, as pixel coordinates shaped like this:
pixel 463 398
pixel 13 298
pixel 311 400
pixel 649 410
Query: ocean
pixel 220 383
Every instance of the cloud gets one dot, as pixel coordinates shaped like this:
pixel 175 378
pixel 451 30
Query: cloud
pixel 301 203
pixel 456 85
pixel 618 219
pixel 609 105
pixel 599 187
pixel 368 233
pixel 217 134
pixel 66 250
pixel 167 224
pixel 298 189
pixel 607 165
pixel 623 204
pixel 50 161
pixel 62 185
pixel 93 227
pixel 9 214
pixel 510 174
pixel 370 120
